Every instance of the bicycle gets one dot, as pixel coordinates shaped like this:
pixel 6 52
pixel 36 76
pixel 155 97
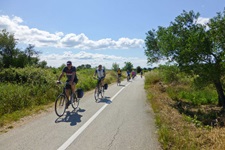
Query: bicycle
pixel 128 78
pixel 118 81
pixel 99 90
pixel 60 102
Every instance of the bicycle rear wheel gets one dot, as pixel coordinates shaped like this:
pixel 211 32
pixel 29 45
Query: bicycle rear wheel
pixel 75 102
pixel 96 94
pixel 60 105
pixel 102 91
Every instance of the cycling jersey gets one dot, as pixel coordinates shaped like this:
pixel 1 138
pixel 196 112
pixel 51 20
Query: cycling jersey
pixel 100 73
pixel 119 72
pixel 128 73
pixel 69 73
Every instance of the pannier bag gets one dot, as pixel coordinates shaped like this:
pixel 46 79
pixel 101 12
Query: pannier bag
pixel 106 86
pixel 80 93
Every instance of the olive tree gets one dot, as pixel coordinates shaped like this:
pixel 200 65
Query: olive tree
pixel 195 48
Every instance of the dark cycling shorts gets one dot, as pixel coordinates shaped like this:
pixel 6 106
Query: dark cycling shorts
pixel 119 75
pixel 68 86
pixel 99 79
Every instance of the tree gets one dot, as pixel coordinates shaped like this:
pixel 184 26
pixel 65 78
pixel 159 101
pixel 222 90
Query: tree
pixel 128 66
pixel 31 52
pixel 43 64
pixel 115 66
pixel 195 49
pixel 84 66
pixel 1 61
pixel 139 69
pixel 7 48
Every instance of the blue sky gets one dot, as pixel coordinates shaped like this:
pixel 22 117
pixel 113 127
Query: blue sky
pixel 94 31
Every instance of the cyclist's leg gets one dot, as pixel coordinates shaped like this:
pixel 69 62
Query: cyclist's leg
pixel 68 96
pixel 102 82
pixel 98 84
pixel 73 87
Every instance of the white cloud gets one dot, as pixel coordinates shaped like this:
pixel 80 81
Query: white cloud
pixel 42 38
pixel 94 59
pixel 203 21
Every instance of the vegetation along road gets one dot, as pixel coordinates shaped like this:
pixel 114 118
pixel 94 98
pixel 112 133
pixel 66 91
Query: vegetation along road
pixel 121 120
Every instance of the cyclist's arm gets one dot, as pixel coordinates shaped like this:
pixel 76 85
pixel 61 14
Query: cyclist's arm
pixel 61 75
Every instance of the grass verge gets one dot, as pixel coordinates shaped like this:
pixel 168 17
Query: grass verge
pixel 176 129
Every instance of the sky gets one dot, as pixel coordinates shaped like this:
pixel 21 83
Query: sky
pixel 94 31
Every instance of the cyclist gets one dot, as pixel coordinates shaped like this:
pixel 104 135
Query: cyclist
pixel 119 74
pixel 141 74
pixel 100 73
pixel 128 75
pixel 72 79
pixel 133 74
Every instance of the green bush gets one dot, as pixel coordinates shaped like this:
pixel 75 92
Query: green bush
pixel 23 88
pixel 169 74
pixel 199 97
pixel 152 77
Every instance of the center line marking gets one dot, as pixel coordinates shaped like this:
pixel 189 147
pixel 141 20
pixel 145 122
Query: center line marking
pixel 82 128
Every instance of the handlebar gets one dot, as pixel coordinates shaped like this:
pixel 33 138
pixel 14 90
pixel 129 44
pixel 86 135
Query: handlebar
pixel 58 82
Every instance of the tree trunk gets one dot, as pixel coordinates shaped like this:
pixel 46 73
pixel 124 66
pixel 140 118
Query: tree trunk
pixel 221 97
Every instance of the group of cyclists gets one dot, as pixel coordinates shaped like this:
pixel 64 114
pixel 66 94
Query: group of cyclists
pixel 72 79
pixel 129 74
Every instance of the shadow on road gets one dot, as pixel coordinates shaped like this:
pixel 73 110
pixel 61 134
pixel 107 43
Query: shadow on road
pixel 71 116
pixel 105 100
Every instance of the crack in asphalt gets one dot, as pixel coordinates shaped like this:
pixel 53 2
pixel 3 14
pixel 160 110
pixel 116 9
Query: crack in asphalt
pixel 114 137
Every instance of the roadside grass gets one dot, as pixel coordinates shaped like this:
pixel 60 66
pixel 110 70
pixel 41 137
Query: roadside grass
pixel 27 95
pixel 8 121
pixel 183 123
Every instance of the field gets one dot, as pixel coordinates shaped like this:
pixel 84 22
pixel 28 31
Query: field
pixel 187 118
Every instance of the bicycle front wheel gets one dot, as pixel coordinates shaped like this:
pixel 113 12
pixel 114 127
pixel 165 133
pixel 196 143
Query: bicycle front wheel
pixel 118 82
pixel 75 102
pixel 60 105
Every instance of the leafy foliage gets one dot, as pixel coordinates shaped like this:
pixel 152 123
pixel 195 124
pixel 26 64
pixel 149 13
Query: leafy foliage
pixel 195 49
pixel 10 56
pixel 115 66
pixel 139 69
pixel 128 66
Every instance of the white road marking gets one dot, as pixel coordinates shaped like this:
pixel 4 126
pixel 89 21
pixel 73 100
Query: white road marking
pixel 82 128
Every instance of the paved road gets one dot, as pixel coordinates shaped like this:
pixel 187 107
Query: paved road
pixel 121 121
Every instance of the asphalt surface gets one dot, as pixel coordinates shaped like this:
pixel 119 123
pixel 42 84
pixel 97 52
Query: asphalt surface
pixel 122 120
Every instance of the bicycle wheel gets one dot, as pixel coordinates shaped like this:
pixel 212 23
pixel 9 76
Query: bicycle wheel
pixel 60 105
pixel 118 82
pixel 75 102
pixel 96 94
pixel 102 91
